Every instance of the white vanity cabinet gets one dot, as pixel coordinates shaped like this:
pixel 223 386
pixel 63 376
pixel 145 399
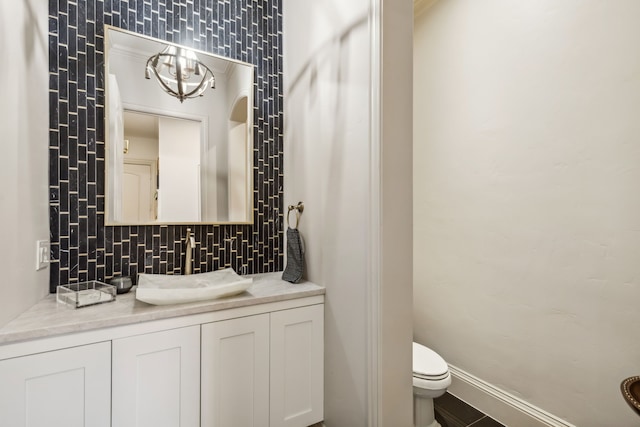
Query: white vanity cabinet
pixel 297 366
pixel 156 379
pixel 253 360
pixel 235 372
pixel 62 388
pixel 265 370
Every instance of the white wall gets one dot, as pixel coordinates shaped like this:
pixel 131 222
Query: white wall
pixel 238 169
pixel 334 163
pixel 527 200
pixel 326 146
pixel 240 144
pixel 394 124
pixel 141 148
pixel 24 122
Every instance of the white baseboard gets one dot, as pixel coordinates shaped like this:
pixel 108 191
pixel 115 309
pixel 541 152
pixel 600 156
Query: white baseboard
pixel 499 404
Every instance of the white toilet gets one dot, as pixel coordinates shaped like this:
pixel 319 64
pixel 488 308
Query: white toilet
pixel 431 378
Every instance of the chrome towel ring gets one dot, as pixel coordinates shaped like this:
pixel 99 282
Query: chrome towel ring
pixel 299 208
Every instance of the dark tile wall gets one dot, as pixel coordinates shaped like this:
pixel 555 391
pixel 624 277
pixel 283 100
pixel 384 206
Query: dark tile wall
pixel 82 247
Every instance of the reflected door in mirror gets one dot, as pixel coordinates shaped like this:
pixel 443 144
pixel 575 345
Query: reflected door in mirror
pixel 138 193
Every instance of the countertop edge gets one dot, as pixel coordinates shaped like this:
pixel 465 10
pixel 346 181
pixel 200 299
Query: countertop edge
pixel 22 334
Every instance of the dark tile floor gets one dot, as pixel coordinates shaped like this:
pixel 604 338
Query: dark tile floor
pixel 453 412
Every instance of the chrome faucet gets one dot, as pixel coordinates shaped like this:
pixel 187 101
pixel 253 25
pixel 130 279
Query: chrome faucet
pixel 191 243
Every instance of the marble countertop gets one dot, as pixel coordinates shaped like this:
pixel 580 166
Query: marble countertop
pixel 48 317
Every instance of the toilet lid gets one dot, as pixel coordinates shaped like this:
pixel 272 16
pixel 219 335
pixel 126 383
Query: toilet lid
pixel 428 363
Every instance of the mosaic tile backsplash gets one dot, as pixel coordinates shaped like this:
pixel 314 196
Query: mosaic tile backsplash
pixel 82 247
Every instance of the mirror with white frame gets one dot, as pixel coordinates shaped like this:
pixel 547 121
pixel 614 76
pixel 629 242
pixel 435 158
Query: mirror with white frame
pixel 171 160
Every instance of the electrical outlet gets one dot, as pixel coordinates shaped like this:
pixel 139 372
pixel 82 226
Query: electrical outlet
pixel 42 254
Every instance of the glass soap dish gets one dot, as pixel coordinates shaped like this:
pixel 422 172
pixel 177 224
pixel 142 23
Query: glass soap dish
pixel 84 294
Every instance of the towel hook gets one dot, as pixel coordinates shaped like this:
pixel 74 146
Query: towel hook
pixel 299 208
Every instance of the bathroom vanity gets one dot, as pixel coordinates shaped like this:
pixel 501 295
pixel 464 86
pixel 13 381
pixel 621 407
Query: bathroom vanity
pixel 255 359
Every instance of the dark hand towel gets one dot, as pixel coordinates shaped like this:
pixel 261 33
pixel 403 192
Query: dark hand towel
pixel 295 257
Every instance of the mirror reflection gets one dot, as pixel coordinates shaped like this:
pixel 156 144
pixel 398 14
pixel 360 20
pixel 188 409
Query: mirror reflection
pixel 173 158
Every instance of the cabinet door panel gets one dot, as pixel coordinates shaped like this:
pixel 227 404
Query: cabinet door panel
pixel 297 366
pixel 156 379
pixel 62 388
pixel 235 372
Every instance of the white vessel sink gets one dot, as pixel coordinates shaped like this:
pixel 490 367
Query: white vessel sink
pixel 162 289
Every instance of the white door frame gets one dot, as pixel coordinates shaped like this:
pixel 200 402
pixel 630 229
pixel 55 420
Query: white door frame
pixel 390 279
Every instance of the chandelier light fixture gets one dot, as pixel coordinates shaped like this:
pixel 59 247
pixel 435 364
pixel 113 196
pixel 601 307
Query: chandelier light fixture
pixel 180 73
